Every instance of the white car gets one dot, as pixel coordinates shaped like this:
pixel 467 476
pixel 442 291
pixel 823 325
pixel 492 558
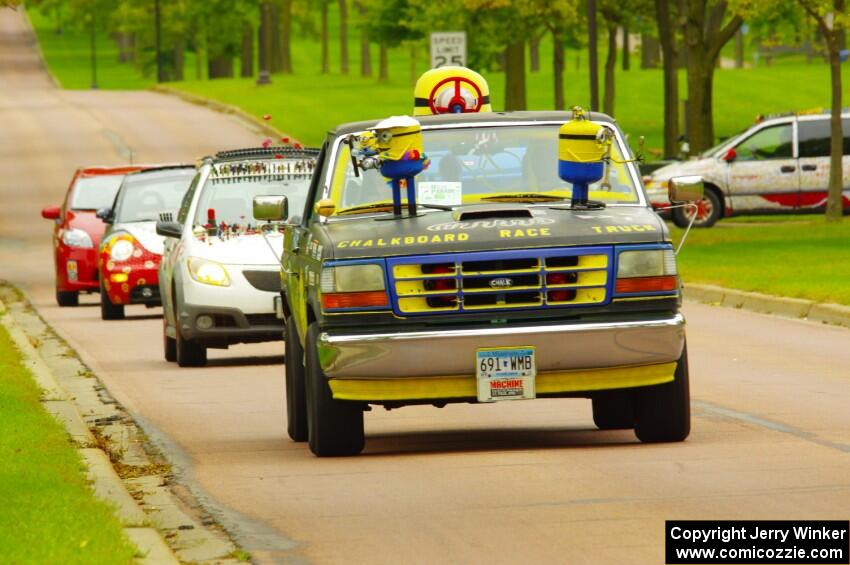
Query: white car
pixel 220 273
pixel 779 165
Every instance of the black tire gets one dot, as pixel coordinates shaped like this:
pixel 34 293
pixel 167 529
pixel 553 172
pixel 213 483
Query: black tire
pixel 108 310
pixel 67 298
pixel 169 344
pixel 710 210
pixel 614 411
pixel 663 412
pixel 296 396
pixel 189 353
pixel 335 427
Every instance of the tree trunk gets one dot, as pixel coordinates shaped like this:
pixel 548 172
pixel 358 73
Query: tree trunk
pixel 384 71
pixel 179 57
pixel 326 64
pixel 515 76
pixel 558 69
pixel 834 202
pixel 626 49
pixel 739 49
pixel 650 54
pixel 221 67
pixel 534 52
pixel 275 59
pixel 671 80
pixel 343 36
pixel 610 65
pixel 125 41
pixel 286 37
pixel 593 55
pixel 247 57
pixel 365 52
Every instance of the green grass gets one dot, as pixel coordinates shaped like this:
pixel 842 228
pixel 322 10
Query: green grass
pixel 49 514
pixel 307 104
pixel 802 258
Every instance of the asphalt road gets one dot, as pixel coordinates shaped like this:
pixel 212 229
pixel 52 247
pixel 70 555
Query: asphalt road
pixel 507 483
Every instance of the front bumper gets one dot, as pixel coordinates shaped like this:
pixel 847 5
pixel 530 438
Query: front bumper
pixel 231 325
pixel 76 269
pixel 141 285
pixel 570 357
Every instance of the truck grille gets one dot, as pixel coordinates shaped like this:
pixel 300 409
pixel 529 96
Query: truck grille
pixel 500 280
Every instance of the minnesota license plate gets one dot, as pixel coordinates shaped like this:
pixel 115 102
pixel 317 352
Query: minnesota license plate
pixel 505 373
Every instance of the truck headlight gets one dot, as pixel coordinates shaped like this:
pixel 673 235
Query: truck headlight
pixel 353 286
pixel 208 272
pixel 120 249
pixel 77 238
pixel 647 270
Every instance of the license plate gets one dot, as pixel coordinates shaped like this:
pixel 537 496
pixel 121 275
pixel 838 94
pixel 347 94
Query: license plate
pixel 505 373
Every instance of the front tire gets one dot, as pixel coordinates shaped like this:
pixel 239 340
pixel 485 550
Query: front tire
pixel 663 412
pixel 614 411
pixel 709 210
pixel 108 310
pixel 335 427
pixel 296 396
pixel 189 353
pixel 67 298
pixel 169 344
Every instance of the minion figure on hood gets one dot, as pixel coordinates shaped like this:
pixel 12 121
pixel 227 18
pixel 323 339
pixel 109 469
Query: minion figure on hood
pixel 394 147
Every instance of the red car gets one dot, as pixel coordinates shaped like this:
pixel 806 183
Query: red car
pixel 77 233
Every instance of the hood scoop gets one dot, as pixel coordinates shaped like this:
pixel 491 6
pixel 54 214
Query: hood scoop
pixel 487 212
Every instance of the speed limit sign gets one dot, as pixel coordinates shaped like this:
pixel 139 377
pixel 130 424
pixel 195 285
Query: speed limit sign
pixel 448 48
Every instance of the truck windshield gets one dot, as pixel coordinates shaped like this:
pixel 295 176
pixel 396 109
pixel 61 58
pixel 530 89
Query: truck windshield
pixel 229 198
pixel 482 164
pixel 144 197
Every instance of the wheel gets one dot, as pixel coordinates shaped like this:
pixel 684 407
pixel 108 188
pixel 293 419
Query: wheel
pixel 67 298
pixel 108 310
pixel 614 411
pixel 296 399
pixel 663 412
pixel 169 344
pixel 709 210
pixel 188 353
pixel 335 427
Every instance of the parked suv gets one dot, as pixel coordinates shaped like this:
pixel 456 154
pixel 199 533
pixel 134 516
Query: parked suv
pixel 220 273
pixel 779 165
pixel 497 289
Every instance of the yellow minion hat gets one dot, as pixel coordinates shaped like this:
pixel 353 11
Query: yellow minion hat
pixel 447 90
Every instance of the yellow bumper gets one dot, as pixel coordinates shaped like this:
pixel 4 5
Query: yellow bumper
pixel 548 382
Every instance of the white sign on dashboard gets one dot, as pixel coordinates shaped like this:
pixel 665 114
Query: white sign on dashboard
pixel 443 193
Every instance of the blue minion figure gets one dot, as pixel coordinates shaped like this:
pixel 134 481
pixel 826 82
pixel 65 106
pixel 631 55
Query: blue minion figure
pixel 582 149
pixel 394 147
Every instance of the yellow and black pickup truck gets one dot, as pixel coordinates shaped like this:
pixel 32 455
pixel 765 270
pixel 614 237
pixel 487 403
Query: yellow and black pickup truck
pixel 499 287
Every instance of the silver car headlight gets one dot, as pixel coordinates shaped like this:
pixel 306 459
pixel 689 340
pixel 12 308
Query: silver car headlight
pixel 208 272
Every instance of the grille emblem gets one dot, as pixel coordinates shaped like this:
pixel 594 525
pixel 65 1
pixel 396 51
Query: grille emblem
pixel 501 282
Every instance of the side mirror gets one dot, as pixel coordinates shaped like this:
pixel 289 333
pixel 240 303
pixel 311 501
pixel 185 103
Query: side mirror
pixel 730 155
pixel 105 214
pixel 51 213
pixel 271 208
pixel 169 229
pixel 685 189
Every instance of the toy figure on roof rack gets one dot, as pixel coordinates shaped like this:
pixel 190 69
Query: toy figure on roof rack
pixel 394 147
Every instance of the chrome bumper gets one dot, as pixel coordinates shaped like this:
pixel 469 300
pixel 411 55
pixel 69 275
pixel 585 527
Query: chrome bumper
pixel 559 347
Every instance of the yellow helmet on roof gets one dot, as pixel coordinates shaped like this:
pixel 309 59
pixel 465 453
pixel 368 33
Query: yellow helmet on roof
pixel 447 90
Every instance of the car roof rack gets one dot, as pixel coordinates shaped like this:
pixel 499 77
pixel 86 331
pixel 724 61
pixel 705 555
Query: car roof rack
pixel 270 152
pixel 810 112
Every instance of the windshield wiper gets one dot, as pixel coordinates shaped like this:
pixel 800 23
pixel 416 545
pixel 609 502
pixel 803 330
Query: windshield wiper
pixel 524 197
pixel 388 206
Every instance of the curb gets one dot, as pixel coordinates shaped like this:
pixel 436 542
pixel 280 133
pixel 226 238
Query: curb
pixel 252 121
pixel 834 314
pixel 105 482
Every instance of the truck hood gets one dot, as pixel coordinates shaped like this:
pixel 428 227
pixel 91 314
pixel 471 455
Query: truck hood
pixel 456 231
pixel 244 249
